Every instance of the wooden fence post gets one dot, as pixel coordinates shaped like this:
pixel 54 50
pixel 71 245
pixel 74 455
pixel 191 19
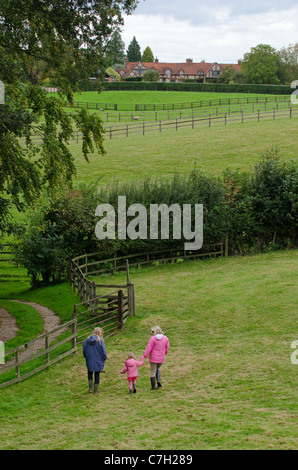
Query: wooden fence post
pixel 70 274
pixel 133 300
pixel 74 327
pixel 94 302
pixel 120 309
pixel 47 344
pixel 227 246
pixel 18 372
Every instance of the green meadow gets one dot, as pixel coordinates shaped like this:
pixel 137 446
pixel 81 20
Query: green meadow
pixel 156 97
pixel 228 380
pixel 236 146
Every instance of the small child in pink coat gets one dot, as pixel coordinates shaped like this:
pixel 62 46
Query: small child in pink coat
pixel 131 367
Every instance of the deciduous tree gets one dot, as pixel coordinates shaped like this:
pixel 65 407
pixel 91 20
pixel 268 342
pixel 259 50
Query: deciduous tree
pixel 261 64
pixel 69 37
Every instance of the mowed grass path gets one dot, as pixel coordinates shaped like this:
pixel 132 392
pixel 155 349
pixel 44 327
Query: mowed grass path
pixel 228 381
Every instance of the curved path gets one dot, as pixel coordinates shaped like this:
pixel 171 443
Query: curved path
pixel 9 328
pixel 8 325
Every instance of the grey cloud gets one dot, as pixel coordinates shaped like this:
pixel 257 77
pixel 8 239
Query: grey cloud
pixel 199 12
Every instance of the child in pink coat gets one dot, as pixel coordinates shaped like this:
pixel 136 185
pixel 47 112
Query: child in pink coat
pixel 131 367
pixel 157 349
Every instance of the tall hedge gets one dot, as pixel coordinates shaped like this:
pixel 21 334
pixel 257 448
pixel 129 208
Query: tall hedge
pixel 257 210
pixel 200 87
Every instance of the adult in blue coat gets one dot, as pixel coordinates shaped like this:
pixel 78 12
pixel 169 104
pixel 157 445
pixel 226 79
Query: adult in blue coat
pixel 95 353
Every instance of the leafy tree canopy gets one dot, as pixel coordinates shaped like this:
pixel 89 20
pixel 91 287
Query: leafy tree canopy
pixel 261 65
pixel 151 76
pixel 66 39
pixel 289 63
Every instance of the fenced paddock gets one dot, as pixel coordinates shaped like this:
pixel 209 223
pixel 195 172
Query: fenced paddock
pixel 84 268
pixel 209 120
pixel 108 311
pixel 95 264
pixel 178 106
pixel 218 117
pixel 173 112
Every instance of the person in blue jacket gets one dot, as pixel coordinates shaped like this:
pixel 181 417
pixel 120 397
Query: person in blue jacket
pixel 95 353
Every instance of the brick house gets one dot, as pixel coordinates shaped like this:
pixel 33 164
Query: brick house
pixel 176 72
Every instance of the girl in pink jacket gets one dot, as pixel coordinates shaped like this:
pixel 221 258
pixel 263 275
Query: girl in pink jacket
pixel 157 349
pixel 131 367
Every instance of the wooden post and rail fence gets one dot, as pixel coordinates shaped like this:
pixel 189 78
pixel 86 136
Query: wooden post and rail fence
pixel 193 121
pixel 109 310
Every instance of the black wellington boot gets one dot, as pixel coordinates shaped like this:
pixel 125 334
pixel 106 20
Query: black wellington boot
pixel 158 375
pixel 152 383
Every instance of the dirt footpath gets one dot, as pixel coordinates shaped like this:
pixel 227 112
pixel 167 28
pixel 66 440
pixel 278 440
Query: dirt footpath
pixel 9 327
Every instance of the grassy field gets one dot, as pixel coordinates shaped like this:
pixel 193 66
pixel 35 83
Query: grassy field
pixel 155 97
pixel 171 105
pixel 228 382
pixel 236 146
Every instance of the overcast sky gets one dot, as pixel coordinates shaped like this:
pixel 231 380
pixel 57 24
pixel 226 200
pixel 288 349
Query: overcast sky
pixel 213 30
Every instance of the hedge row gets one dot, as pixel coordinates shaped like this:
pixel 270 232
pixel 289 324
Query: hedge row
pixel 258 211
pixel 201 87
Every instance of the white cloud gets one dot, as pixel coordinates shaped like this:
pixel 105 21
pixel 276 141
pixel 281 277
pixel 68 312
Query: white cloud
pixel 226 39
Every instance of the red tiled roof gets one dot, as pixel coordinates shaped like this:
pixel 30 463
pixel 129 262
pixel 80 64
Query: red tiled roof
pixel 188 68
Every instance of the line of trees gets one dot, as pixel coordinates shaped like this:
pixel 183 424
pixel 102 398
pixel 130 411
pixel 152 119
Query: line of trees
pixel 115 51
pixel 134 52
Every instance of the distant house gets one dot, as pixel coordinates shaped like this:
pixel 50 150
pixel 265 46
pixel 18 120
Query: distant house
pixel 176 72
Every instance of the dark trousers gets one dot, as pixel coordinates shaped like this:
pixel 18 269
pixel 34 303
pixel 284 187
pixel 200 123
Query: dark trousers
pixel 96 376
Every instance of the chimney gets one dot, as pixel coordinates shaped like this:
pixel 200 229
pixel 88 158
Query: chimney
pixel 156 60
pixel 125 62
pixel 189 61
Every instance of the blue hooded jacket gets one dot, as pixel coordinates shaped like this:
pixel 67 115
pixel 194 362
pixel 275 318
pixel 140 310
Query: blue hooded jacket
pixel 95 353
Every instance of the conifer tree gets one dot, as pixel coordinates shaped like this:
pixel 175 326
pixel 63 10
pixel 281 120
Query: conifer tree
pixel 134 51
pixel 115 50
pixel 147 55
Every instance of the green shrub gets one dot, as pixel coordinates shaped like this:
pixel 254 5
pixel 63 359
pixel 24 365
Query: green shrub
pixel 257 210
pixel 274 195
pixel 61 228
pixel 151 76
pixel 201 87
